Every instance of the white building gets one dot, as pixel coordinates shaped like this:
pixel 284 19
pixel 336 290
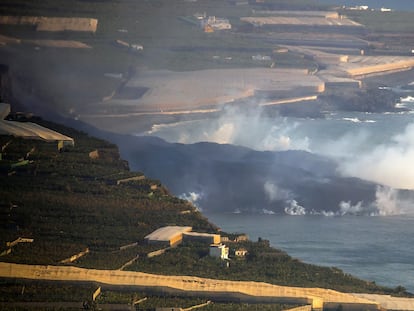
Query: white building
pixel 219 250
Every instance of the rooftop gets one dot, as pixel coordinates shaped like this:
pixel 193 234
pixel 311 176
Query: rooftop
pixel 166 233
pixel 31 130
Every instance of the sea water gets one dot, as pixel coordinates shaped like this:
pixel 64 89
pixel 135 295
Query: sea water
pixel 401 5
pixel 375 248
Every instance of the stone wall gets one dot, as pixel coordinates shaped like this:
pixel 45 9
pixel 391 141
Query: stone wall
pixel 42 23
pixel 381 68
pixel 240 290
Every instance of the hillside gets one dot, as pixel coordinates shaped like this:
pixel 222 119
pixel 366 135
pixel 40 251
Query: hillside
pixel 69 201
pixel 87 201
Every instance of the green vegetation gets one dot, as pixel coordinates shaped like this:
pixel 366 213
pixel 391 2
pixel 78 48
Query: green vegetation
pixel 17 290
pixel 263 263
pixel 68 201
pixel 48 292
pixel 384 22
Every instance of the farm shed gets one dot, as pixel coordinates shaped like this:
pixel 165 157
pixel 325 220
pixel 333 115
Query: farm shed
pixel 169 235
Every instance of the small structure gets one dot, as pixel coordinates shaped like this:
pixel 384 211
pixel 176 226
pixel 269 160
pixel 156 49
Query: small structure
pixel 201 237
pixel 136 47
pixel 260 57
pixel 241 238
pixel 130 46
pixel 96 293
pixel 208 29
pixel 215 23
pixel 4 110
pixel 167 236
pixel 241 252
pixel 219 250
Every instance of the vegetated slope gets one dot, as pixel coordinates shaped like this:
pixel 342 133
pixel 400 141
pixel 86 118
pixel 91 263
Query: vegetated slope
pixel 69 201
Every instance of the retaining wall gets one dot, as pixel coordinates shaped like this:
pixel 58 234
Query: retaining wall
pixel 381 68
pixel 241 290
pixel 53 23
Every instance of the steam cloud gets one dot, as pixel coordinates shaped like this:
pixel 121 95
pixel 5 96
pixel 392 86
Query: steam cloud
pixel 389 164
pixel 388 202
pixel 249 129
pixel 193 197
pixel 359 148
pixel 294 209
pixel 274 192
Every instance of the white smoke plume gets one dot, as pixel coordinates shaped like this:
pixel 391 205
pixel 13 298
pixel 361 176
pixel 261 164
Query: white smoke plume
pixel 274 192
pixel 346 208
pixel 388 202
pixel 390 164
pixel 192 197
pixel 363 150
pixel 294 209
pixel 234 126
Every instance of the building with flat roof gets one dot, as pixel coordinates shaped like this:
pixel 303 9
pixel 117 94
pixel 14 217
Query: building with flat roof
pixel 168 236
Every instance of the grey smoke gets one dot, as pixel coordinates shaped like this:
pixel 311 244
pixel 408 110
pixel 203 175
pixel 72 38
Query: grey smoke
pixel 274 192
pixel 390 163
pixel 359 151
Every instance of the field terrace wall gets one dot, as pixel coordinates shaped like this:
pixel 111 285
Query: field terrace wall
pixel 53 24
pixel 188 285
pixel 300 21
pixel 381 68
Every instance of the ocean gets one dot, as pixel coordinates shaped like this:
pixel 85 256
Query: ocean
pixel 372 146
pixel 376 248
pixel 400 5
